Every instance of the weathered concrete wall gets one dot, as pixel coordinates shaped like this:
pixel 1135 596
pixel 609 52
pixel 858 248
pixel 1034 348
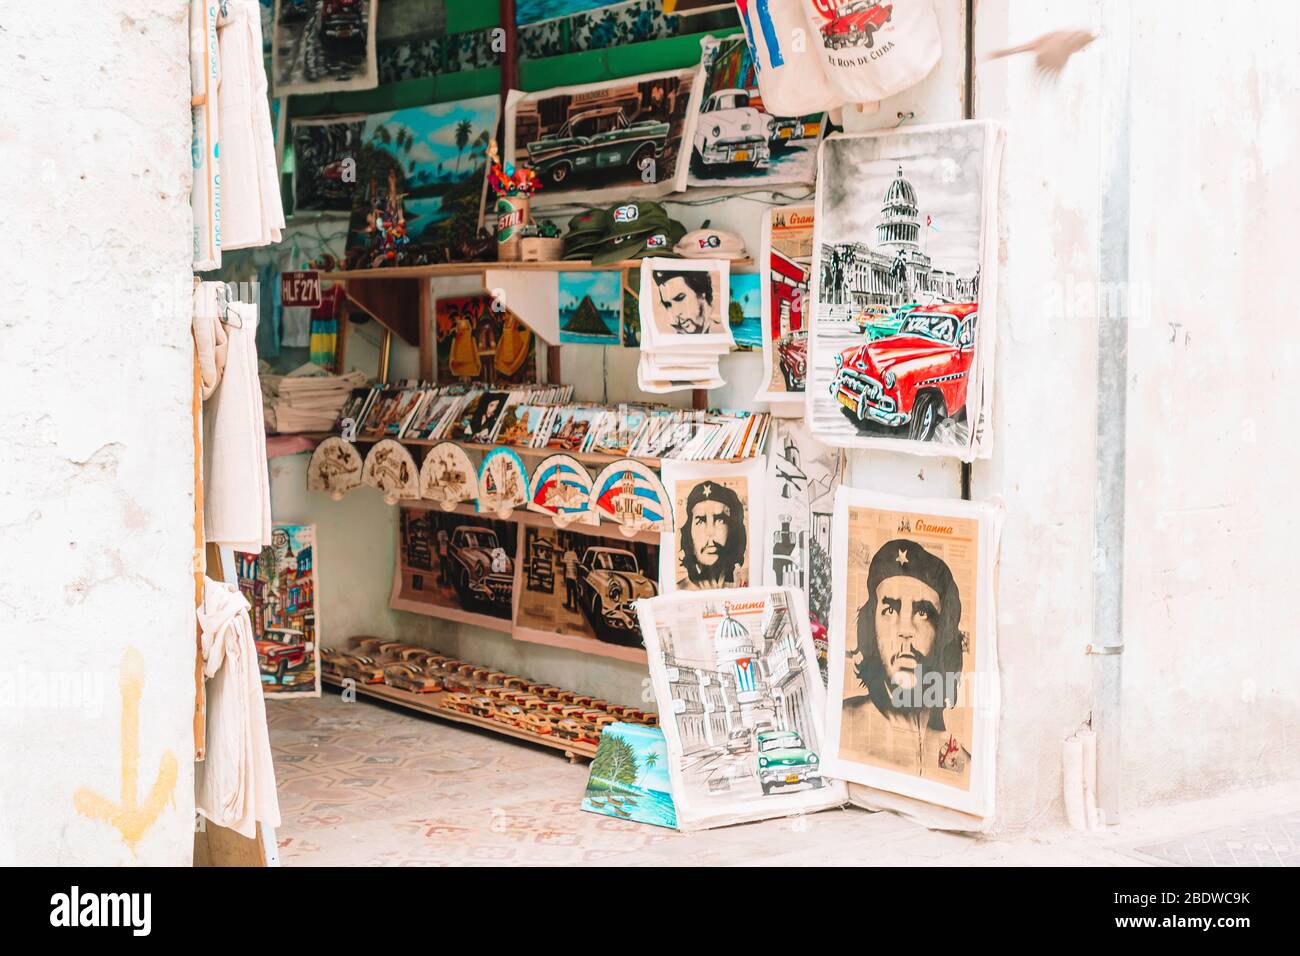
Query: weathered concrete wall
pixel 96 508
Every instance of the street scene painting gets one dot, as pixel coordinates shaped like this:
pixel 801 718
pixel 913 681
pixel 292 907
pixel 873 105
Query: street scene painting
pixel 420 185
pixel 629 776
pixel 736 141
pixel 905 224
pixel 325 164
pixel 913 699
pixel 741 704
pixel 612 140
pixel 323 46
pixel 581 586
pixel 802 477
pixel 456 566
pixel 786 256
pixel 280 586
pixel 591 306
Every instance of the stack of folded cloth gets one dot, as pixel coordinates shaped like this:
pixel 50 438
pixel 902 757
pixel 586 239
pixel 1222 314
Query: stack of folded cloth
pixel 629 230
pixel 308 399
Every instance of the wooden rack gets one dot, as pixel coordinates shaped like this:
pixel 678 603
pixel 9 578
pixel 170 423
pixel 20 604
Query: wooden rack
pixel 428 704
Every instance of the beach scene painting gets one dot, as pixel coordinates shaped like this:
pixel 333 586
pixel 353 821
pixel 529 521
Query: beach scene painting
pixel 745 310
pixel 591 306
pixel 419 189
pixel 629 776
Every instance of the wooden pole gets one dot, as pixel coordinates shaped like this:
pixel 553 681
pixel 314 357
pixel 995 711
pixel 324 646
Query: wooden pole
pixel 510 56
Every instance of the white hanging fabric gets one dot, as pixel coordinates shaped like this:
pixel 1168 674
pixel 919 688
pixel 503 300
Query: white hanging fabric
pixel 210 339
pixel 251 214
pixel 791 78
pixel 874 50
pixel 205 193
pixel 234 786
pixel 236 485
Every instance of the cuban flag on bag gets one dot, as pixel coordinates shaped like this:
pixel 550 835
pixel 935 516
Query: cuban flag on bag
pixel 745 675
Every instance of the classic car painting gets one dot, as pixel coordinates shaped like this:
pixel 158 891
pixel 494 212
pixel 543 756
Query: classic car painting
pixel 913 379
pixel 281 650
pixel 582 595
pixel 594 140
pixel 482 572
pixel 611 580
pixel 904 259
pixel 792 355
pixel 610 140
pixel 784 761
pixel 456 566
pixel 737 141
pixel 730 131
pixel 856 24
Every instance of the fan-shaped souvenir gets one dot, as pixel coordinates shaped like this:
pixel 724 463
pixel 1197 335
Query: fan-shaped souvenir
pixel 630 494
pixel 335 468
pixel 502 482
pixel 561 487
pixel 390 468
pixel 447 475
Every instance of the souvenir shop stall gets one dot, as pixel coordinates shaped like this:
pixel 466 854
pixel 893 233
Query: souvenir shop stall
pixel 538 347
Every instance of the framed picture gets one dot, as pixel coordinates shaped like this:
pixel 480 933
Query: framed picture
pixel 684 305
pixel 421 181
pixel 737 142
pixel 718 514
pixel 605 141
pixel 741 705
pixel 325 153
pixel 280 585
pixel 913 698
pixel 323 46
pixel 479 343
pixel 904 289
pixel 629 776
pixel 785 258
pixel 577 585
pixel 456 566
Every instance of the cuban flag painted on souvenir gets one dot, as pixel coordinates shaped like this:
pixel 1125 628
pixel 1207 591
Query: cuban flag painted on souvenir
pixel 745 675
pixel 630 493
pixel 561 485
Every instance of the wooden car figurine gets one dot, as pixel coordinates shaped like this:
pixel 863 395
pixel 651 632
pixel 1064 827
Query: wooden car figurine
pixel 509 714
pixel 456 701
pixel 360 667
pixel 536 723
pixel 410 677
pixel 483 707
pixel 497 678
pixel 568 729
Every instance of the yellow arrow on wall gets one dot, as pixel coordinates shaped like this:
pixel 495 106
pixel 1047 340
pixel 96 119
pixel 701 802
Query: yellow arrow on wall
pixel 131 818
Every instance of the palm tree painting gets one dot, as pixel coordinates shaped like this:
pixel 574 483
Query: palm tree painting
pixel 463 129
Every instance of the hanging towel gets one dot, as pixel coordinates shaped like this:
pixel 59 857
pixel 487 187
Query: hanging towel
pixel 872 51
pixel 237 488
pixel 791 79
pixel 234 786
pixel 251 214
pixel 210 338
pixel 205 194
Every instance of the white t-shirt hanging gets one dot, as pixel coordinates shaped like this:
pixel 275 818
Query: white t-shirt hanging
pixel 788 61
pixel 873 50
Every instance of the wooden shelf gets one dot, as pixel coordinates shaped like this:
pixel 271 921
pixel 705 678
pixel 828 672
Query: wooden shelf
pixel 441 269
pixel 586 457
pixel 428 704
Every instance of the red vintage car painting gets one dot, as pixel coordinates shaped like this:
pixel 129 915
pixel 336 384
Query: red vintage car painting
pixel 856 24
pixel 913 379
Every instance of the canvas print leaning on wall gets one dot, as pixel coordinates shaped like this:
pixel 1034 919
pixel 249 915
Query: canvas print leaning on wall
pixel 913 693
pixel 904 296
pixel 741 704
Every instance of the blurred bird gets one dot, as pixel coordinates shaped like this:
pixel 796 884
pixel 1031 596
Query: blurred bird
pixel 1051 50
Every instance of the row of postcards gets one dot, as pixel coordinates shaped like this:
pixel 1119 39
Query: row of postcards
pixel 626 492
pixel 544 416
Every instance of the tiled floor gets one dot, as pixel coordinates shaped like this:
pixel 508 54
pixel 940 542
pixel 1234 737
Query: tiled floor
pixel 364 784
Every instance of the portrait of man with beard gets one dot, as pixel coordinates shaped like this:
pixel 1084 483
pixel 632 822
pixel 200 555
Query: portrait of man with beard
pixel 910 668
pixel 713 539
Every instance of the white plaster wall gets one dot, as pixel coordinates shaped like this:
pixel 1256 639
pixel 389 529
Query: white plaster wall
pixel 1210 701
pixel 96 508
